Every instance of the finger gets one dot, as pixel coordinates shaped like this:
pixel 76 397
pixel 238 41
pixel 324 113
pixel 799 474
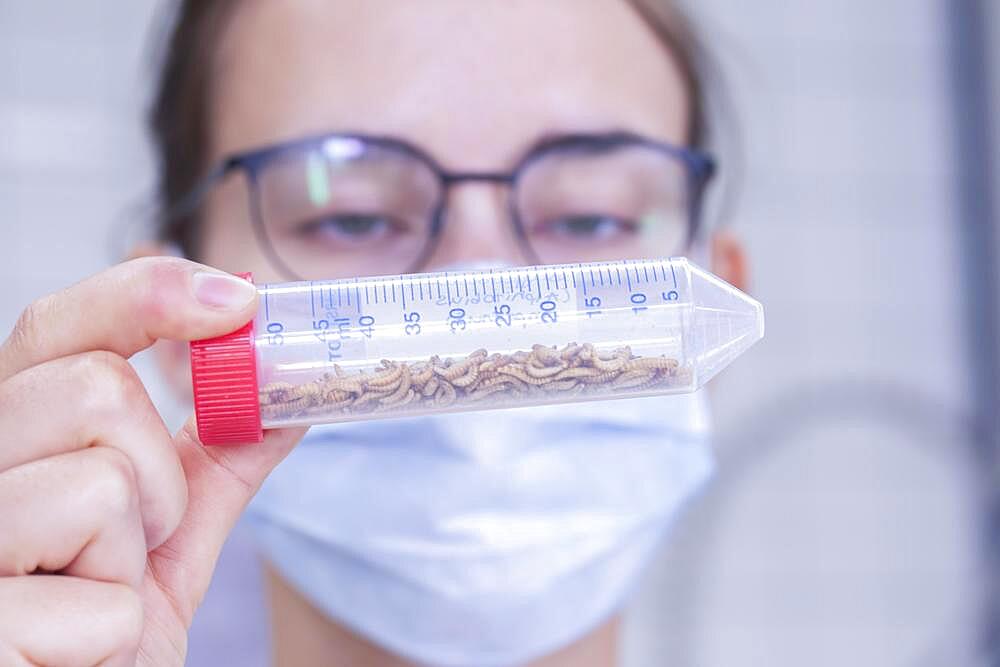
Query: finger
pixel 221 481
pixel 57 620
pixel 89 399
pixel 75 513
pixel 126 308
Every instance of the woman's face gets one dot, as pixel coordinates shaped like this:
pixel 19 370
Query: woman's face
pixel 474 84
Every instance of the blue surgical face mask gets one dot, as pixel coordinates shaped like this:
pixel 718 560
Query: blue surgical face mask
pixel 487 538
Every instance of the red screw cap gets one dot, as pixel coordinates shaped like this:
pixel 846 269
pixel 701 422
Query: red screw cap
pixel 224 376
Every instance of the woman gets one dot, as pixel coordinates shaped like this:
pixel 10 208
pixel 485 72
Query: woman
pixel 371 136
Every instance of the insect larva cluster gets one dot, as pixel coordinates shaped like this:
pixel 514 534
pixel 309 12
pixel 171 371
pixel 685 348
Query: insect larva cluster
pixel 478 380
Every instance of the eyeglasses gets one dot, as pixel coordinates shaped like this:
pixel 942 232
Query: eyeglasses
pixel 352 204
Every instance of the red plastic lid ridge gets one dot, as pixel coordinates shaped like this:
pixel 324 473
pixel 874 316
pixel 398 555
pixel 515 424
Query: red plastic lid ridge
pixel 224 379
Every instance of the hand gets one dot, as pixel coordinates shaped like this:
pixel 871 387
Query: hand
pixel 109 527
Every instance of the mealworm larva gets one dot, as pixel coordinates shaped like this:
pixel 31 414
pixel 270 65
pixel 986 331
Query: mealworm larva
pixel 339 399
pixel 614 365
pixel 486 371
pixel 651 363
pixel 276 392
pixel 352 384
pixel 493 362
pixel 534 362
pixel 363 400
pixel 381 392
pixel 505 360
pixel 402 389
pixel 613 361
pixel 546 355
pixel 577 372
pixel 453 371
pixel 570 351
pixel 422 374
pixel 309 390
pixel 520 374
pixel 280 412
pixel 484 392
pixel 559 385
pixel 445 395
pixel 542 371
pixel 388 377
pixel 430 387
pixel 290 408
pixel 501 380
pixel 599 377
pixel 631 379
pixel 406 399
pixel 520 357
pixel 467 379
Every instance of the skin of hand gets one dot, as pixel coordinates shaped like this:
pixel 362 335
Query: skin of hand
pixel 109 525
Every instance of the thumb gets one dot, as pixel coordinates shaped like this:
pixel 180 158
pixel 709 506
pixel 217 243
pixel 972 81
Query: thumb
pixel 221 481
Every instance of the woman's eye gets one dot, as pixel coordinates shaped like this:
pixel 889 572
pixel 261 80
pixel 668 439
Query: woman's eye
pixel 350 227
pixel 589 227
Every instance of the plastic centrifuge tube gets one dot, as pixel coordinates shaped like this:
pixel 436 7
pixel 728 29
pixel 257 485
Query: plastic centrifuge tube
pixel 369 348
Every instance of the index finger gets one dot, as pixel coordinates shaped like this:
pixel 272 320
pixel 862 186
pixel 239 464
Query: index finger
pixel 126 308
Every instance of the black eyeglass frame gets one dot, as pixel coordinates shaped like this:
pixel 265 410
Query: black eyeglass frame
pixel 699 168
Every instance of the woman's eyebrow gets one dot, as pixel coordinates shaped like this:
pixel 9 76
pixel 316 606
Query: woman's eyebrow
pixel 555 137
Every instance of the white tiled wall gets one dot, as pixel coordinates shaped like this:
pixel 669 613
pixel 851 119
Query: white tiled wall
pixel 840 530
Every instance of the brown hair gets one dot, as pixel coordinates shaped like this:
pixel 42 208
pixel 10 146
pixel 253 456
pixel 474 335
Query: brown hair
pixel 179 117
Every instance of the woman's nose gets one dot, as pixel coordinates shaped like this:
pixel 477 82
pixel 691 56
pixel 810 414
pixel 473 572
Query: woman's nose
pixel 477 227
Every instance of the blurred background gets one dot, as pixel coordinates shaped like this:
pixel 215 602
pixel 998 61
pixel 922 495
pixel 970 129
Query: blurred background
pixel 850 522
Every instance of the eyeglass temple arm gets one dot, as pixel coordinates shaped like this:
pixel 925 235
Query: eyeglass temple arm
pixel 187 204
